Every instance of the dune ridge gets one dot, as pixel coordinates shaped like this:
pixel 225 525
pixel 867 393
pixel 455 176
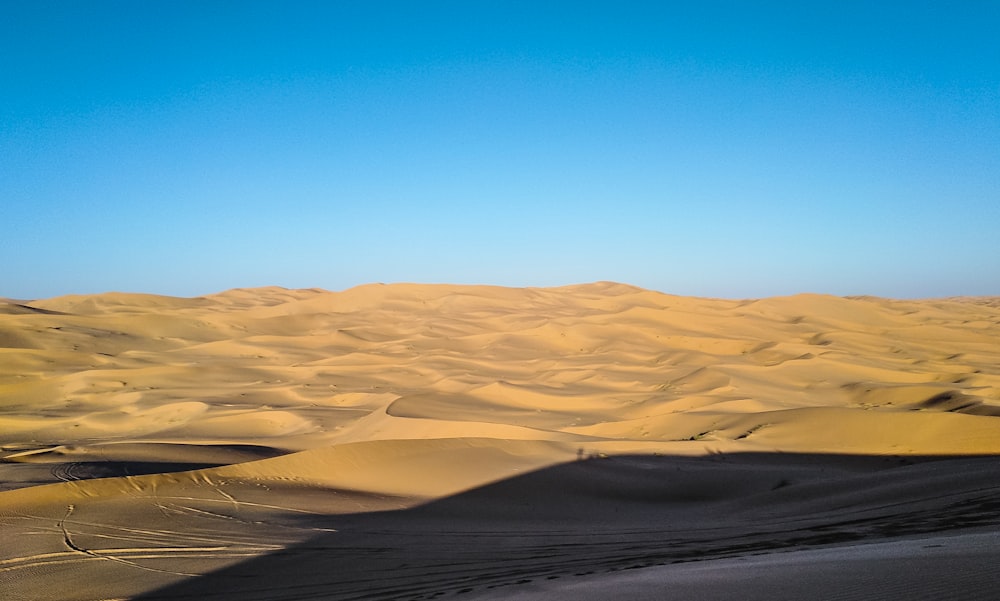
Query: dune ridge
pixel 239 418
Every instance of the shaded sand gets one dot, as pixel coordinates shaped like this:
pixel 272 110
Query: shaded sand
pixel 303 444
pixel 662 526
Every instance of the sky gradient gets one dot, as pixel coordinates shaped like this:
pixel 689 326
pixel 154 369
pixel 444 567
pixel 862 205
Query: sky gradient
pixel 730 149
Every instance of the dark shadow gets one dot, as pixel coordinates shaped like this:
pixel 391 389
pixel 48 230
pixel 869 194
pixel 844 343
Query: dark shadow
pixel 617 513
pixel 16 474
pixel 87 470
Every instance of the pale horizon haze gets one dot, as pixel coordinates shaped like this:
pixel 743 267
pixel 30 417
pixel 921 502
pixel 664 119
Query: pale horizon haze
pixel 722 149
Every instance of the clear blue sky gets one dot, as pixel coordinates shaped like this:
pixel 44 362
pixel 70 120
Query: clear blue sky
pixel 733 149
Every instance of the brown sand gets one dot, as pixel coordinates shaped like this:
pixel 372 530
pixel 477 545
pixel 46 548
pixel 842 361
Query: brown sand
pixel 415 441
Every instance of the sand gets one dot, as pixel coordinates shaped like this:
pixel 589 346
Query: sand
pixel 425 441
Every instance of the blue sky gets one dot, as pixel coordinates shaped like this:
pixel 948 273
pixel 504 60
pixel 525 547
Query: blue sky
pixel 730 149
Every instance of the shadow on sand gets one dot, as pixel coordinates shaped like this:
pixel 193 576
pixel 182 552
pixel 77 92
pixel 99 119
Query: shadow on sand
pixel 605 515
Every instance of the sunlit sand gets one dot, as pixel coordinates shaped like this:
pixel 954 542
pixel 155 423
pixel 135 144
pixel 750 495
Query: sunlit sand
pixel 419 441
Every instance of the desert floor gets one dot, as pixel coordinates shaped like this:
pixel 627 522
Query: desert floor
pixel 428 441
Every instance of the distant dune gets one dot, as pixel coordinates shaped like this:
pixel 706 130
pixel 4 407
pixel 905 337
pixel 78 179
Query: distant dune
pixel 414 441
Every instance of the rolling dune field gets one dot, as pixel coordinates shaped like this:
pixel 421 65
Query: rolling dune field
pixel 413 441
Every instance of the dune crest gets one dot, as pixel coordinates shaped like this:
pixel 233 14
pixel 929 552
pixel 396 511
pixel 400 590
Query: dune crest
pixel 194 413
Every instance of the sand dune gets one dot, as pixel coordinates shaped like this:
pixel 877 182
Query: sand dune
pixel 147 440
pixel 594 529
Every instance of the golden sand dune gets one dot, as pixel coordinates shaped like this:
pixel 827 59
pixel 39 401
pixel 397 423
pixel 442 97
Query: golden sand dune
pixel 252 433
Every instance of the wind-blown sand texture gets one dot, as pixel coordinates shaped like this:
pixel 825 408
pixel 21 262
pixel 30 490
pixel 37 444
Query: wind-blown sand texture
pixel 426 441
